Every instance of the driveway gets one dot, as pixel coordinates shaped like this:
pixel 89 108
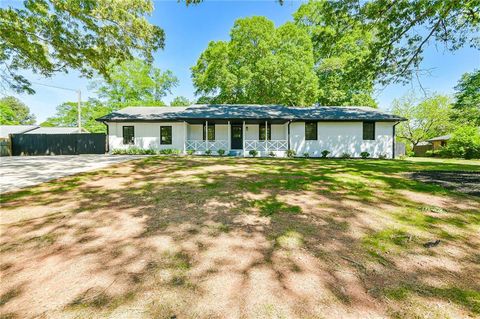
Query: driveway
pixel 21 171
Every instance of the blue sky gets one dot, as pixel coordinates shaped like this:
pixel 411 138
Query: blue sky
pixel 189 29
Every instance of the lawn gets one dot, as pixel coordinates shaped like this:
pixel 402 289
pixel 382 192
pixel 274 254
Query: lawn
pixel 198 237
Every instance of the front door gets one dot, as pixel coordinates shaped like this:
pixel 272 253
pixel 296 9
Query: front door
pixel 237 136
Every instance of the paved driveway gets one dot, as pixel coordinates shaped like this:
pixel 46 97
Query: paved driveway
pixel 21 171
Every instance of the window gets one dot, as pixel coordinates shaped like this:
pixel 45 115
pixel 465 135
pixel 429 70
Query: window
pixel 211 132
pixel 310 130
pixel 128 135
pixel 261 132
pixel 368 130
pixel 165 135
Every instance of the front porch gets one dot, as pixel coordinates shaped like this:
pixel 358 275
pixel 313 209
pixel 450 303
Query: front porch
pixel 237 138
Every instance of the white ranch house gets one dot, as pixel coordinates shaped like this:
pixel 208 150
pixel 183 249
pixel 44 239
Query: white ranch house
pixel 237 129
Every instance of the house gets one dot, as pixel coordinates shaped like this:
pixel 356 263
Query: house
pixel 56 130
pixel 238 129
pixel 433 144
pixel 6 130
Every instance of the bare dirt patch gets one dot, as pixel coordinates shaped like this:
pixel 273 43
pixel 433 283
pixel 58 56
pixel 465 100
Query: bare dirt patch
pixel 239 238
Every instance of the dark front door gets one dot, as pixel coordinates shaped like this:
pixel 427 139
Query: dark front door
pixel 237 136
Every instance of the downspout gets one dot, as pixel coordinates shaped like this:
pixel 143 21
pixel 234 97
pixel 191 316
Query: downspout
pixel 393 140
pixel 288 133
pixel 107 146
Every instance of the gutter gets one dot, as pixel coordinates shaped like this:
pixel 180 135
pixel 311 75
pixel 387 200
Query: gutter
pixel 107 146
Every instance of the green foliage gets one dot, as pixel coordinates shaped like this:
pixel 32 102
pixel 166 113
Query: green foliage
pixel 208 152
pixel 427 117
pixel 387 38
pixel 291 153
pixel 272 154
pixel 465 143
pixel 346 155
pixel 325 153
pixel 15 112
pixel 135 81
pixel 46 37
pixel 342 47
pixel 67 115
pixel 190 152
pixel 382 156
pixel 306 155
pixel 133 151
pixel 180 101
pixel 253 153
pixel 260 64
pixel 365 155
pixel 466 108
pixel 169 151
pixel 221 152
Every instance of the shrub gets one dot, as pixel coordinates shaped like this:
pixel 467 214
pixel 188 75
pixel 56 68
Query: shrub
pixel 382 156
pixel 365 155
pixel 272 154
pixel 465 143
pixel 253 153
pixel 169 151
pixel 325 153
pixel 134 151
pixel 190 152
pixel 208 152
pixel 291 153
pixel 221 152
pixel 345 155
pixel 429 153
pixel 306 154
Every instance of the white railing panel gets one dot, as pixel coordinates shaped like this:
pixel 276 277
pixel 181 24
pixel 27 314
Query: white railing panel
pixel 262 146
pixel 202 146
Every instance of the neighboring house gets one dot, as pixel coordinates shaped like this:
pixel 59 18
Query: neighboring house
pixel 433 144
pixel 237 129
pixel 56 130
pixel 6 130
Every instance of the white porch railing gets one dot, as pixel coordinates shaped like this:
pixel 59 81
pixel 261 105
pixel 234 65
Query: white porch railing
pixel 201 146
pixel 263 146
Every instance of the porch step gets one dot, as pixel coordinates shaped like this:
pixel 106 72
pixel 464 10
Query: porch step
pixel 235 153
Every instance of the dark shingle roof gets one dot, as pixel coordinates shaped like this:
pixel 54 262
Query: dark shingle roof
pixel 249 112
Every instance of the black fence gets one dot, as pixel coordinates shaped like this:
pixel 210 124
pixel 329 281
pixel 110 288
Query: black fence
pixel 58 144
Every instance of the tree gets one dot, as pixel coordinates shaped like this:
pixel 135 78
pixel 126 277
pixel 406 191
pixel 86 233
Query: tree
pixel 135 81
pixel 15 112
pixel 180 101
pixel 341 46
pixel 66 115
pixel 427 118
pixel 467 99
pixel 465 142
pixel 50 36
pixel 260 64
pixel 387 38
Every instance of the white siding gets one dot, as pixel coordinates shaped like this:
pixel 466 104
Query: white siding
pixel 147 135
pixel 221 132
pixel 251 131
pixel 342 137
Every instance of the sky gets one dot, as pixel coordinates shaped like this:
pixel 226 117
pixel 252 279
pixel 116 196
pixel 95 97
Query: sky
pixel 190 29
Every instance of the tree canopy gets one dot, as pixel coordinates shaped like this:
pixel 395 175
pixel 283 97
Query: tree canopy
pixel 180 101
pixel 49 36
pixel 467 99
pixel 135 81
pixel 66 115
pixel 427 117
pixel 15 112
pixel 260 64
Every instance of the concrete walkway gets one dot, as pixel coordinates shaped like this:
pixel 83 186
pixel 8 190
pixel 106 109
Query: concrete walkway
pixel 22 171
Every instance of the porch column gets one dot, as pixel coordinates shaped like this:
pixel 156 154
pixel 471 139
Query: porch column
pixel 229 140
pixel 243 138
pixel 206 135
pixel 266 138
pixel 185 137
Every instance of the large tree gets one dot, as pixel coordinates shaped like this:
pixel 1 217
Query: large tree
pixel 260 64
pixel 15 112
pixel 467 99
pixel 50 36
pixel 427 117
pixel 137 82
pixel 67 115
pixel 180 101
pixel 361 43
pixel 341 44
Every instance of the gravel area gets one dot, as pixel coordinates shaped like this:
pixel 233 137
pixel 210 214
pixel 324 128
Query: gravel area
pixel 461 181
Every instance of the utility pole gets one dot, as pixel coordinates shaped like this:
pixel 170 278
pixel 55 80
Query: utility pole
pixel 79 111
